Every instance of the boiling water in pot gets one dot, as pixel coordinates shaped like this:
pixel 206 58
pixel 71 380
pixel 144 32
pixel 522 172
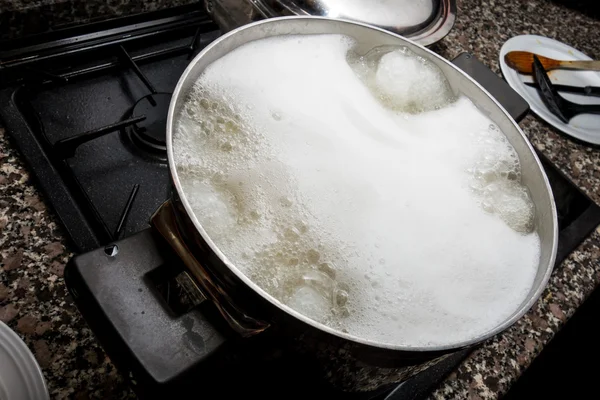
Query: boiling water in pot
pixel 358 190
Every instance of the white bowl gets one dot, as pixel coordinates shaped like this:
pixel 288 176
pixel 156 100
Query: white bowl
pixel 20 375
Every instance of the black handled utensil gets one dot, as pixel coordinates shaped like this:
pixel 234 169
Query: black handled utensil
pixel 585 90
pixel 559 106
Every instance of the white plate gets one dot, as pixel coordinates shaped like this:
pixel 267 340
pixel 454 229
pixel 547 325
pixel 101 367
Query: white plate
pixel 584 127
pixel 20 375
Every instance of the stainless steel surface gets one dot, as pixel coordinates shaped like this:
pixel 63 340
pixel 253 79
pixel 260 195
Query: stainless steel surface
pixel 369 37
pixel 424 21
pixel 163 221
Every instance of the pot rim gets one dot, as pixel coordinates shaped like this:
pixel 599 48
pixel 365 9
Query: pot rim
pixel 382 345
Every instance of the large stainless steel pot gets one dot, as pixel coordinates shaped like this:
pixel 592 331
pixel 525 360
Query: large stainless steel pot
pixel 350 362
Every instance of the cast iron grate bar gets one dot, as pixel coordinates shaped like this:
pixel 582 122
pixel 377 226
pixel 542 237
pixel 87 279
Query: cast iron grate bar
pixel 194 43
pixel 50 76
pixel 125 55
pixel 125 212
pixel 103 67
pixel 43 52
pixel 65 148
pixel 202 37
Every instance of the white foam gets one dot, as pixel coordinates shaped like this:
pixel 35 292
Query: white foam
pixel 409 229
pixel 402 80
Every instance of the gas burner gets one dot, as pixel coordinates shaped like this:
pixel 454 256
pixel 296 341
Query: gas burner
pixel 150 134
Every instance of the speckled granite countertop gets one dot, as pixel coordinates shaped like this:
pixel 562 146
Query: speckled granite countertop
pixel 33 252
pixel 26 17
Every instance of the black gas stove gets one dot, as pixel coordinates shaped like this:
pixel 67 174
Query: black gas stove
pixel 87 109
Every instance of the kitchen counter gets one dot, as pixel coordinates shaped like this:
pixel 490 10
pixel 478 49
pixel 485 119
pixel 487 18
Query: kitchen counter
pixel 33 248
pixel 33 298
pixel 21 17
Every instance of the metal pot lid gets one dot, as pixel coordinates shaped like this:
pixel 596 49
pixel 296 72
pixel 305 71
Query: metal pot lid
pixel 424 21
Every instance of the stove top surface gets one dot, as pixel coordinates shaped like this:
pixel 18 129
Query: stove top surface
pixel 87 110
pixel 89 117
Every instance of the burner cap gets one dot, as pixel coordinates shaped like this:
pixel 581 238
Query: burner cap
pixel 151 132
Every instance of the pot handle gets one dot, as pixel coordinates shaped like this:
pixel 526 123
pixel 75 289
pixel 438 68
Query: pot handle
pixel 163 221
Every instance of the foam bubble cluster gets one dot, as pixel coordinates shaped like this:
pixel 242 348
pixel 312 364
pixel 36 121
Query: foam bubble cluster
pixel 345 188
pixel 402 80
